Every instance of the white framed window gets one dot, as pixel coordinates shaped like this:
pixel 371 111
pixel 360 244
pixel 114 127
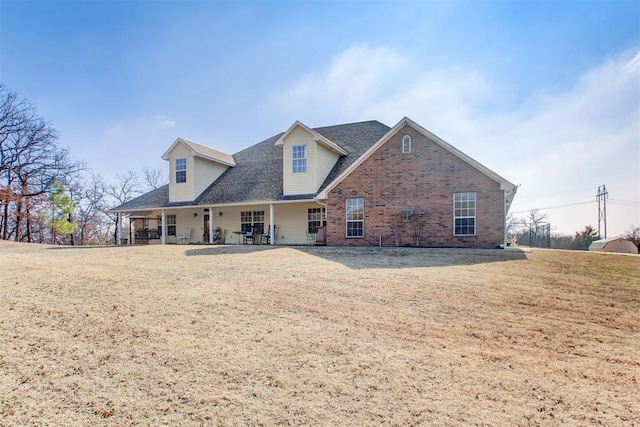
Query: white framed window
pixel 355 217
pixel 252 221
pixel 316 217
pixel 464 214
pixel 171 225
pixel 299 156
pixel 406 144
pixel 181 170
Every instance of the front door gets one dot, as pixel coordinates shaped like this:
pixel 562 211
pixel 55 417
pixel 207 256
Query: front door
pixel 205 233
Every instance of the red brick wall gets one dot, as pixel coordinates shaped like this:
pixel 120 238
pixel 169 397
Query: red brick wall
pixel 425 180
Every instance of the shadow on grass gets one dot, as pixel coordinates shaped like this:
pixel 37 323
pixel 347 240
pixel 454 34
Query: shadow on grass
pixel 363 258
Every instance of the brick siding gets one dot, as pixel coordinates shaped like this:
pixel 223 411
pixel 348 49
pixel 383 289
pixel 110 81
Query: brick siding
pixel 425 180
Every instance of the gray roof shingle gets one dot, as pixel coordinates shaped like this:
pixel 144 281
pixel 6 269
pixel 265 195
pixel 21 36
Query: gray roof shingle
pixel 257 176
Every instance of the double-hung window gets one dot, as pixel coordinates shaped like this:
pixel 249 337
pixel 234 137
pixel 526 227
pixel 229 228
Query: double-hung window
pixel 316 217
pixel 181 170
pixel 299 156
pixel 252 221
pixel 355 217
pixel 464 214
pixel 171 225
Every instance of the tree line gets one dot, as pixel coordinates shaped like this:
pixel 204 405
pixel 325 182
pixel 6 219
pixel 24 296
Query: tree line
pixel 45 195
pixel 534 230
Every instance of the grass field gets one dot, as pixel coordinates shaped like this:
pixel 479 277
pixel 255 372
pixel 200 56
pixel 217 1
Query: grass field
pixel 203 335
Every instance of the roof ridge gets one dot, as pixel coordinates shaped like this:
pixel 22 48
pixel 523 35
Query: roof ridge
pixel 349 124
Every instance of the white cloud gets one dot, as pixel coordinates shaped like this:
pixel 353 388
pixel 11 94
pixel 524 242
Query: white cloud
pixel 560 145
pixel 163 121
pixel 355 79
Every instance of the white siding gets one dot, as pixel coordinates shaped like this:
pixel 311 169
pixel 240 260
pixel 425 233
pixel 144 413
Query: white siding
pixel 184 191
pixel 291 223
pixel 299 183
pixel 205 172
pixel 326 160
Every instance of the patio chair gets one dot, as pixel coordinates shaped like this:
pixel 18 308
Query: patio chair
pixel 311 238
pixel 185 237
pixel 248 235
pixel 266 237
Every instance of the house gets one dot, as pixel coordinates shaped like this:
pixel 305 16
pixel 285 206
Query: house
pixel 615 244
pixel 358 184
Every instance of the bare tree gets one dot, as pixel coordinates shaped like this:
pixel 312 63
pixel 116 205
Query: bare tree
pixel 125 188
pixel 396 228
pixel 30 160
pixel 154 178
pixel 535 217
pixel 633 235
pixel 88 192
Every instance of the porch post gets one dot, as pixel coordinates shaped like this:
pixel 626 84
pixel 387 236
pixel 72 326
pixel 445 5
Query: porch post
pixel 210 224
pixel 119 233
pixel 272 236
pixel 164 227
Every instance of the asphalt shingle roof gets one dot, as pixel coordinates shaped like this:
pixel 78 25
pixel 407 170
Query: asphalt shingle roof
pixel 257 176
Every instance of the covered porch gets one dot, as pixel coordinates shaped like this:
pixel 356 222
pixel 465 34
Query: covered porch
pixel 277 223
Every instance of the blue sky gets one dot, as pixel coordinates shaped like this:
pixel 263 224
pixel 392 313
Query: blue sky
pixel 545 93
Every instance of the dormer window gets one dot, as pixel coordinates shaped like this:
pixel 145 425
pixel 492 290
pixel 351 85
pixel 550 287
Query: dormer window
pixel 406 144
pixel 181 170
pixel 299 156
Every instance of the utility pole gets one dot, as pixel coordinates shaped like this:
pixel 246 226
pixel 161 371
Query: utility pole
pixel 601 197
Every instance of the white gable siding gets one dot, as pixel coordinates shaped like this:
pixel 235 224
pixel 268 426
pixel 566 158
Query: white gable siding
pixel 184 191
pixel 205 172
pixel 299 183
pixel 326 160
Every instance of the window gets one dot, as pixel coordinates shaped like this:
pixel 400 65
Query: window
pixel 145 223
pixel 181 170
pixel 299 158
pixel 406 144
pixel 171 225
pixel 316 217
pixel 252 220
pixel 355 217
pixel 464 214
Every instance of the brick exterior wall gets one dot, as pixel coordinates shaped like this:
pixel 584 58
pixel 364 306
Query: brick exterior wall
pixel 425 180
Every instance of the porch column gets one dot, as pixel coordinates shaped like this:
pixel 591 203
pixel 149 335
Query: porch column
pixel 164 227
pixel 211 224
pixel 272 236
pixel 119 233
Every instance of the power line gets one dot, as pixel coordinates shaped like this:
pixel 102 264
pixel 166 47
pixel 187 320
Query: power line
pixel 621 202
pixel 559 206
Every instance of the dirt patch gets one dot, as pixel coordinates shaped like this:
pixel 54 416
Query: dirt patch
pixel 237 335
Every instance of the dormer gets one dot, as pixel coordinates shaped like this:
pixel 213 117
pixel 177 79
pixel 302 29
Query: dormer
pixel 308 157
pixel 192 168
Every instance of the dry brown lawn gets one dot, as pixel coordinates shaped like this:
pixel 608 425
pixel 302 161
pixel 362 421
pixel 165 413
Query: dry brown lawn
pixel 203 335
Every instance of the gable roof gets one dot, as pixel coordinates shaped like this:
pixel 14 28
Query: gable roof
pixel 317 137
pixel 257 176
pixel 257 173
pixel 198 150
pixel 504 184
